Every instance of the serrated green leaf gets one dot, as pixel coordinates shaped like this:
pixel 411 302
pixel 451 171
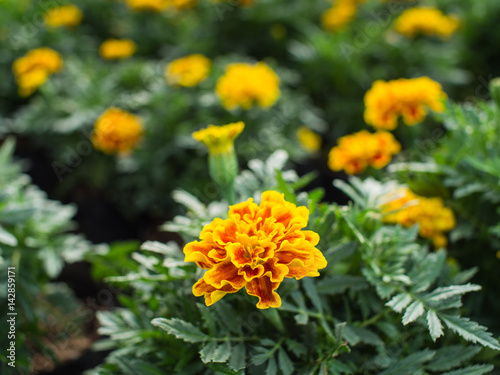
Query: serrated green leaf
pixel 411 364
pixel 469 330
pixel 399 302
pixel 434 324
pixel 271 368
pixel 215 352
pixel 452 356
pixel 181 329
pixel 472 370
pixel 413 312
pixel 238 357
pixel 285 364
pixel 451 291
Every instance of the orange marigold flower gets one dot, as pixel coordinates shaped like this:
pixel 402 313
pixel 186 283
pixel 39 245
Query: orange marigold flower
pixel 427 21
pixel 255 248
pixel 357 151
pixel 113 49
pixel 188 71
pixel 117 131
pixel 66 15
pixel 339 15
pixel 181 4
pixel 433 218
pixel 385 102
pixel 242 85
pixel 33 69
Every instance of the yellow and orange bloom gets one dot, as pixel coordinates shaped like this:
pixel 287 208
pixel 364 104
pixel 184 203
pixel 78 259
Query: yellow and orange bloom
pixel 309 140
pixel 147 5
pixel 188 71
pixel 385 102
pixel 426 21
pixel 356 152
pixel 219 139
pixel 432 216
pixel 114 49
pixel 244 85
pixel 117 131
pixel 33 69
pixel 255 248
pixel 66 15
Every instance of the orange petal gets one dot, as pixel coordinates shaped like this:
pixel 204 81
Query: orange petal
pixel 263 288
pixel 212 295
pixel 198 252
pixel 225 271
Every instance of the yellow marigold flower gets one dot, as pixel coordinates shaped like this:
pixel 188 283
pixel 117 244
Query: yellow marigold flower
pixel 33 69
pixel 112 49
pixel 219 139
pixel 357 151
pixel 430 214
pixel 147 5
pixel 339 15
pixel 242 85
pixel 188 71
pixel 385 102
pixel 117 131
pixel 427 21
pixel 65 15
pixel 309 140
pixel 255 248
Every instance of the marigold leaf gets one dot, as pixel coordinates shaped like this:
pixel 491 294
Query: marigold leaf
pixel 399 302
pixel 181 329
pixel 285 364
pixel 434 324
pixel 214 352
pixel 413 312
pixel 470 330
pixel 271 369
pixel 451 291
pixel 472 370
pixel 238 357
pixel 449 357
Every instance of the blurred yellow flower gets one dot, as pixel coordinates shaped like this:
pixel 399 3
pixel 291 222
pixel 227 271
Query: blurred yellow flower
pixel 33 69
pixel 112 49
pixel 308 139
pixel 255 248
pixel 220 139
pixel 357 151
pixel 427 21
pixel 147 5
pixel 181 4
pixel 339 15
pixel 243 84
pixel 433 218
pixel 65 15
pixel 409 98
pixel 188 71
pixel 117 131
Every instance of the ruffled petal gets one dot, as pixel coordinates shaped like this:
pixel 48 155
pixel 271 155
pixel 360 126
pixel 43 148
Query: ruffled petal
pixel 263 288
pixel 222 273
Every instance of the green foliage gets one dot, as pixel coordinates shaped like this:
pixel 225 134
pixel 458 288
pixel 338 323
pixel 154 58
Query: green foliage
pixel 35 240
pixel 380 306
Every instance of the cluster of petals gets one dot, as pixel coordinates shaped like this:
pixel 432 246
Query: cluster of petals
pixel 188 71
pixel 355 152
pixel 114 49
pixel 219 139
pixel 117 131
pixel 410 99
pixel 433 217
pixel 256 248
pixel 426 21
pixel 244 85
pixel 33 69
pixel 340 14
pixel 66 15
